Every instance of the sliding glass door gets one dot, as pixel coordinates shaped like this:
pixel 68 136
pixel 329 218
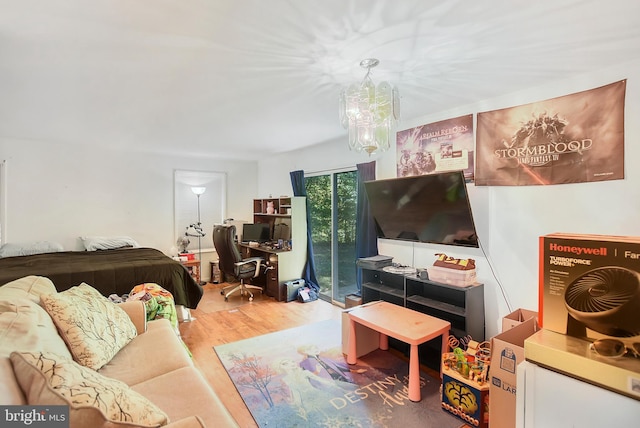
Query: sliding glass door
pixel 332 210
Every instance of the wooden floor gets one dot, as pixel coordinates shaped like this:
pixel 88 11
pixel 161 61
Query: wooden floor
pixel 216 322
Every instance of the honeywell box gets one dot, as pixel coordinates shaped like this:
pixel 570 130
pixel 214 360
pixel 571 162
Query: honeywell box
pixel 507 351
pixel 589 285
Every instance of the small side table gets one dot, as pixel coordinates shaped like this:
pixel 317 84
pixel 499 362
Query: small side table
pixel 193 266
pixel 403 324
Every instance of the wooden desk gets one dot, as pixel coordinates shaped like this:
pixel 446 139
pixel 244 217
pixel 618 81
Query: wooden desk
pixel 403 324
pixel 284 265
pixel 193 266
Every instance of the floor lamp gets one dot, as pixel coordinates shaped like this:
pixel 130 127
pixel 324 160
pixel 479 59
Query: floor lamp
pixel 197 227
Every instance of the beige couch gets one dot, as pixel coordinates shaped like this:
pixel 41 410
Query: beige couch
pixel 154 364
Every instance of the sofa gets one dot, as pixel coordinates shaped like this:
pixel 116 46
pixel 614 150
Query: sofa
pixel 105 361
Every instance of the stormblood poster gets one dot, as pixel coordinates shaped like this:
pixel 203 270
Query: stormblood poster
pixel 437 147
pixel 571 139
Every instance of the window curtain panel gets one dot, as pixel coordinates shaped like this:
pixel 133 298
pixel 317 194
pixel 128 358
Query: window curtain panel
pixel 309 274
pixel 366 236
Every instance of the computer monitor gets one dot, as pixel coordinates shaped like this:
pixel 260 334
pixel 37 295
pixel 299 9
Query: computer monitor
pixel 256 232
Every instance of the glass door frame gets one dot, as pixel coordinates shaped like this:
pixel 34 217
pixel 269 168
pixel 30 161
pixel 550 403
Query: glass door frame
pixel 334 221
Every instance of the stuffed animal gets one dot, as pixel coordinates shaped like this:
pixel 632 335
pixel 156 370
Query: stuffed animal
pixel 270 208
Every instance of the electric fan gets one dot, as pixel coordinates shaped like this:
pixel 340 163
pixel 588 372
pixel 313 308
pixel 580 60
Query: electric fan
pixel 605 300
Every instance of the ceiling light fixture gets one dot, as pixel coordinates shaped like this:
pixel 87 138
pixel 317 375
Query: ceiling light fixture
pixel 370 113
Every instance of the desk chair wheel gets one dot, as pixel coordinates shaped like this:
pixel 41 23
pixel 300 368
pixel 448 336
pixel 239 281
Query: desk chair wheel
pixel 222 293
pixel 226 299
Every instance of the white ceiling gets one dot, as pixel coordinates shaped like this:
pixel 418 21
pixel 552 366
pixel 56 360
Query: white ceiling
pixel 248 78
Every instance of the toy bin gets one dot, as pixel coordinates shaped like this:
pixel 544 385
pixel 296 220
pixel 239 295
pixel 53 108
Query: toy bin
pixel 457 277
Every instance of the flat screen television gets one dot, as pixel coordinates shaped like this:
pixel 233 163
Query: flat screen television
pixel 256 232
pixel 431 208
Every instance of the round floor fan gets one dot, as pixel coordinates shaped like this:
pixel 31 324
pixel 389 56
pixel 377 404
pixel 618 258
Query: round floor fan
pixel 605 300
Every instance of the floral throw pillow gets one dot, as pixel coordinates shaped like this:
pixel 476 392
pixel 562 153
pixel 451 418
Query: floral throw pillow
pixel 93 327
pixel 94 400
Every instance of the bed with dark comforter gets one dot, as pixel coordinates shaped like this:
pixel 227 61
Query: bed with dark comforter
pixel 109 271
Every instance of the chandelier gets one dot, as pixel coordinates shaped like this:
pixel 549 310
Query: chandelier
pixel 369 112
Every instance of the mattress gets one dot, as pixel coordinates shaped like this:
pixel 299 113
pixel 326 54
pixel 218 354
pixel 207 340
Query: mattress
pixel 109 271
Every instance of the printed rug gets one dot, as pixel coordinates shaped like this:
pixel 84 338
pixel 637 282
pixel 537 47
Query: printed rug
pixel 300 378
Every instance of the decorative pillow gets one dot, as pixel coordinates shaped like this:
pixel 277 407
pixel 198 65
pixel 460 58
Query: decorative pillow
pixel 29 287
pixel 25 326
pixel 94 400
pixel 38 247
pixel 93 243
pixel 93 327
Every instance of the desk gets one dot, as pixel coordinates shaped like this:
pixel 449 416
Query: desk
pixel 403 324
pixel 193 266
pixel 263 249
pixel 284 265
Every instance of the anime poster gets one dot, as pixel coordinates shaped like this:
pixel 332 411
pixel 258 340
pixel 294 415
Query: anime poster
pixel 437 147
pixel 571 139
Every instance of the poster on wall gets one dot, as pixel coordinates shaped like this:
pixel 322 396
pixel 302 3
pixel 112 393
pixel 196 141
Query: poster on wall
pixel 575 138
pixel 437 147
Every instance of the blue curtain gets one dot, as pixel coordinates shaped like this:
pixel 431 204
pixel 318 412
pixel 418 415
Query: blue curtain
pixel 309 274
pixel 366 237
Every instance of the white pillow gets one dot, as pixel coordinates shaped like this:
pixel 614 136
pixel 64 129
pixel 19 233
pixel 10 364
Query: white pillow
pixel 93 243
pixel 27 249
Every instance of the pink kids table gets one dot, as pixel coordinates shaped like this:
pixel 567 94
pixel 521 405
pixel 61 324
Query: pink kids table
pixel 403 324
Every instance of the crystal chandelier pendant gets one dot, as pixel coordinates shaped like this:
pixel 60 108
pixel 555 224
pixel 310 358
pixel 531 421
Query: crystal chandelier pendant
pixel 370 113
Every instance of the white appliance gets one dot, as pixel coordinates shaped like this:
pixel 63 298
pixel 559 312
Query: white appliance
pixel 548 399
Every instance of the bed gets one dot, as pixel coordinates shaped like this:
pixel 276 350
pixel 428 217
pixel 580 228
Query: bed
pixel 114 271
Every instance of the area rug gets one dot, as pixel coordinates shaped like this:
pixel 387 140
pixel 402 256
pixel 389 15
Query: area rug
pixel 299 378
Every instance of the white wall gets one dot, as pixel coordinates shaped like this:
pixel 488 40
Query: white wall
pixel 59 192
pixel 273 172
pixel 509 220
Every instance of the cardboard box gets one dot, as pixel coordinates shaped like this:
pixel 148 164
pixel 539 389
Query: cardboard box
pixel 351 300
pixel 465 399
pixel 507 351
pixel 517 317
pixel 368 339
pixel 457 277
pixel 590 285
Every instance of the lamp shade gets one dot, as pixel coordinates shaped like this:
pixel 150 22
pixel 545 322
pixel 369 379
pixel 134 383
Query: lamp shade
pixel 198 190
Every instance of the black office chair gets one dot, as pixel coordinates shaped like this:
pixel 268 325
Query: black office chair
pixel 232 263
